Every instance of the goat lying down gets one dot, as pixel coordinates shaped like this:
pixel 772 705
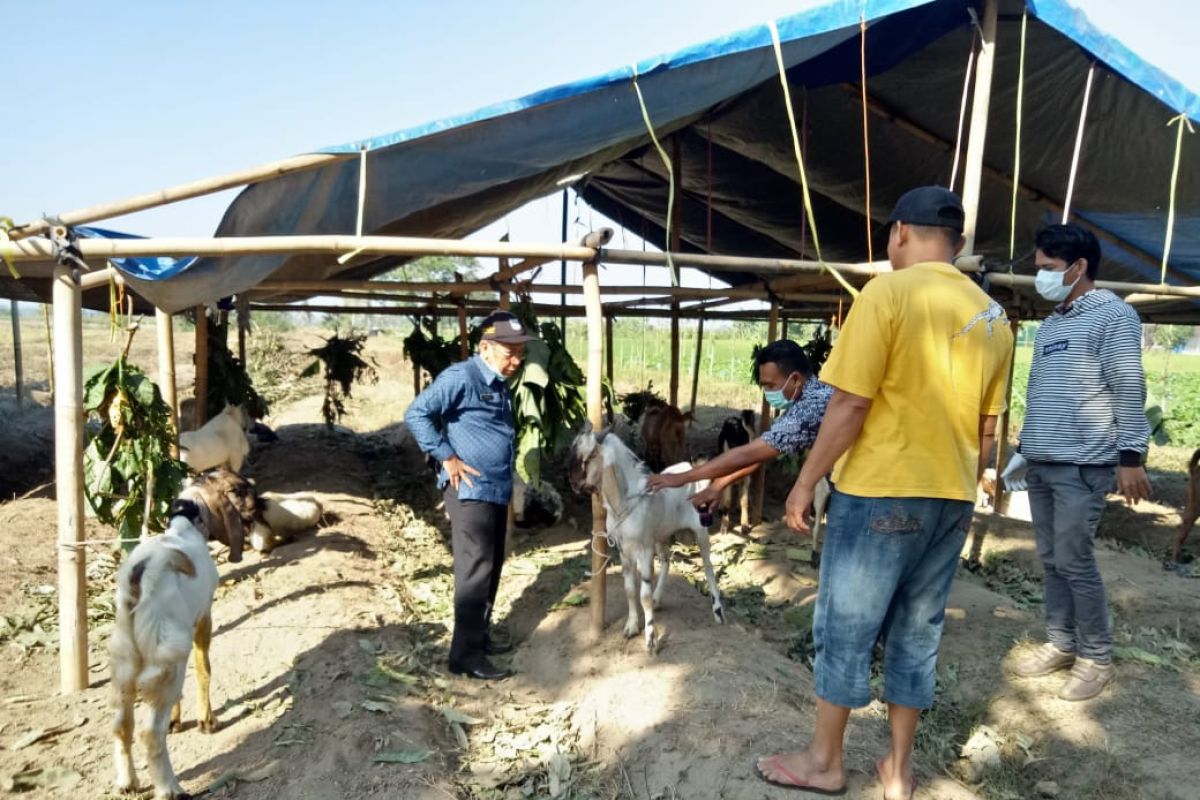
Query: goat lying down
pixel 220 443
pixel 280 516
pixel 232 511
pixel 640 524
pixel 163 604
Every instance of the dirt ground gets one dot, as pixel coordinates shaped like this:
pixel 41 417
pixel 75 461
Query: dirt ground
pixel 329 655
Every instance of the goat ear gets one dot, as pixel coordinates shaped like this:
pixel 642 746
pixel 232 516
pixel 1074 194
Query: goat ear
pixel 235 534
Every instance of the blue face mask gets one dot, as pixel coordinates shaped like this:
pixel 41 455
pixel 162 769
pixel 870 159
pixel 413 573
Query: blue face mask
pixel 776 398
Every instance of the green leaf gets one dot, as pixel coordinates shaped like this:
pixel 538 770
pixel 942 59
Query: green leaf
pixel 401 756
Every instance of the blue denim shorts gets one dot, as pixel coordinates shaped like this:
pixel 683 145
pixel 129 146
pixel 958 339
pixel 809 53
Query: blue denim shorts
pixel 886 570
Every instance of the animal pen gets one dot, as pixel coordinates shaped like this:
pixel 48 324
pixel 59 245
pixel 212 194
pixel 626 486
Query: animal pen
pixel 769 159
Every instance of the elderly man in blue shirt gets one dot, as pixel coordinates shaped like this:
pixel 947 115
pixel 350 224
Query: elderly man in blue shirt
pixel 464 419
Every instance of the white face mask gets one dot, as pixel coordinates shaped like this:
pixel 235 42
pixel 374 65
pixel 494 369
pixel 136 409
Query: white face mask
pixel 1049 284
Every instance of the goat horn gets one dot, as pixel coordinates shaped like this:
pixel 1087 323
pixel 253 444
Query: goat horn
pixel 600 434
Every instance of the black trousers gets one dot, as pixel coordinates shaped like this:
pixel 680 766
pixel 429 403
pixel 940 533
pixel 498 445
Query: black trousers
pixel 477 533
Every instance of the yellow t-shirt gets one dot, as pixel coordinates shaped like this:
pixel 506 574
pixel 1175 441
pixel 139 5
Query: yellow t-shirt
pixel 932 351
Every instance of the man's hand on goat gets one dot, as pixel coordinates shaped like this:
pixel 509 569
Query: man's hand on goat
pixel 671 480
pixel 711 496
pixel 799 507
pixel 1133 484
pixel 458 471
pixel 1014 474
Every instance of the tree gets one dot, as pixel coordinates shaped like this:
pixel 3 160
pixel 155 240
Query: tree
pixel 434 269
pixel 1171 337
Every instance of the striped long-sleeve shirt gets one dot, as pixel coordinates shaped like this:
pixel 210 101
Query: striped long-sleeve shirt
pixel 1086 399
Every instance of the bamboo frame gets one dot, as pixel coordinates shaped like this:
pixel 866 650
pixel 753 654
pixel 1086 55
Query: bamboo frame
pixel 68 475
pixel 608 358
pixel 696 366
pixel 973 166
pixel 595 411
pixel 200 386
pixel 166 372
pixel 758 482
pixel 14 313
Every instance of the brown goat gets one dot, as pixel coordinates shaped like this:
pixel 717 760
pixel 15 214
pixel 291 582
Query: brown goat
pixel 1192 510
pixel 664 436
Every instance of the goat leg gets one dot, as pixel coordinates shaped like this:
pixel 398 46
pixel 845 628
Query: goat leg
pixel 200 642
pixel 154 739
pixel 123 699
pixel 629 572
pixel 1189 520
pixel 645 565
pixel 664 559
pixel 706 556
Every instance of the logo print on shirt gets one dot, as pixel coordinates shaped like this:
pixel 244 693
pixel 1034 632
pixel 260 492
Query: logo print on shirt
pixel 990 315
pixel 1056 347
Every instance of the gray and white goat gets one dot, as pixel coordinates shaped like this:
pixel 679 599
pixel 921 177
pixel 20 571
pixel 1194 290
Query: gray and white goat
pixel 640 524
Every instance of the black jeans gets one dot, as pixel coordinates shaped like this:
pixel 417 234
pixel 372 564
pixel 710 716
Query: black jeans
pixel 477 533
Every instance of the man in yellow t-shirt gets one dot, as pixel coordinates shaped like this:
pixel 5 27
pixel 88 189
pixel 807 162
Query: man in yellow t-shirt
pixel 919 371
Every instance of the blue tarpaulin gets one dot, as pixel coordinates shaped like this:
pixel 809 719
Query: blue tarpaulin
pixel 719 105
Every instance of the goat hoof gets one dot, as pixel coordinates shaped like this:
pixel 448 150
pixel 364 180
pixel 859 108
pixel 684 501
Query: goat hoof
pixel 208 725
pixel 719 615
pixel 176 726
pixel 631 630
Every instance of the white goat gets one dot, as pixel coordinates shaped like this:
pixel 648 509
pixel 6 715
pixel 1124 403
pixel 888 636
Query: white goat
pixel 163 604
pixel 221 442
pixel 281 515
pixel 640 524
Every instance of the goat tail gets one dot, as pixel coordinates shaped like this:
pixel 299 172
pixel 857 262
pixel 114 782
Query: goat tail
pixel 143 633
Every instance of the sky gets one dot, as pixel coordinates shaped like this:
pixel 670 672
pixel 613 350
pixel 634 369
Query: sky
pixel 108 100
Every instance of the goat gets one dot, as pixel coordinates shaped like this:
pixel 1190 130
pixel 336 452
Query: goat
pixel 735 432
pixel 1192 510
pixel 280 515
pixel 664 436
pixel 640 524
pixel 163 605
pixel 221 442
pixel 228 507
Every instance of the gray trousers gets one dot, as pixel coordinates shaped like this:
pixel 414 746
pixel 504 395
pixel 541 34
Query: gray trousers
pixel 1066 501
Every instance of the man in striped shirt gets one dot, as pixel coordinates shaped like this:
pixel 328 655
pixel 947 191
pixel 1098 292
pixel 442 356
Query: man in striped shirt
pixel 1085 427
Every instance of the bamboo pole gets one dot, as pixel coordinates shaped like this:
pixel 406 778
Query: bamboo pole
pixel 14 312
pixel 49 350
pixel 677 178
pixel 696 366
pixel 166 372
pixel 562 300
pixel 68 476
pixel 502 301
pixel 243 323
pixel 573 312
pixel 608 357
pixel 973 166
pixel 595 411
pixel 200 411
pixel 184 191
pixel 758 482
pixel 464 344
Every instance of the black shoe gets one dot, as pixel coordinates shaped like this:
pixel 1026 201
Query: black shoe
pixel 482 670
pixel 494 648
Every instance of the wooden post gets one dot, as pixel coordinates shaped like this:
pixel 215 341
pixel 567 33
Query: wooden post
pixel 562 298
pixel 166 372
pixel 696 365
pixel 464 344
pixel 595 410
pixel 68 475
pixel 16 326
pixel 783 328
pixel 49 349
pixel 758 484
pixel 243 320
pixel 1000 501
pixel 608 357
pixel 973 169
pixel 676 218
pixel 200 412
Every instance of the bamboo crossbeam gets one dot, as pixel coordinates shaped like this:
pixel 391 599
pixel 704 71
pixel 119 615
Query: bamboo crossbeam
pixel 547 310
pixel 183 191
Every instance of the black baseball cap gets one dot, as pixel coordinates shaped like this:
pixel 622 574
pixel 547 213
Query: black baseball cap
pixel 936 206
pixel 504 327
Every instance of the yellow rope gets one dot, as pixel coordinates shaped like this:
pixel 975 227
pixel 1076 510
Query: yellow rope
pixel 808 211
pixel 362 203
pixel 1016 181
pixel 1183 122
pixel 670 175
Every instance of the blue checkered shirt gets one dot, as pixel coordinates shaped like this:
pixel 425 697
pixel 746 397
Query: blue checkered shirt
pixel 467 412
pixel 796 428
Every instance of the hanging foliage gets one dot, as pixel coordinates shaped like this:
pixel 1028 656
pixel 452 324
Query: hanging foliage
pixel 634 404
pixel 128 454
pixel 343 364
pixel 817 349
pixel 428 351
pixel 228 381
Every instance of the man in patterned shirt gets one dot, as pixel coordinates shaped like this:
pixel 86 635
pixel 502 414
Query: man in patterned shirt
pixel 785 375
pixel 464 419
